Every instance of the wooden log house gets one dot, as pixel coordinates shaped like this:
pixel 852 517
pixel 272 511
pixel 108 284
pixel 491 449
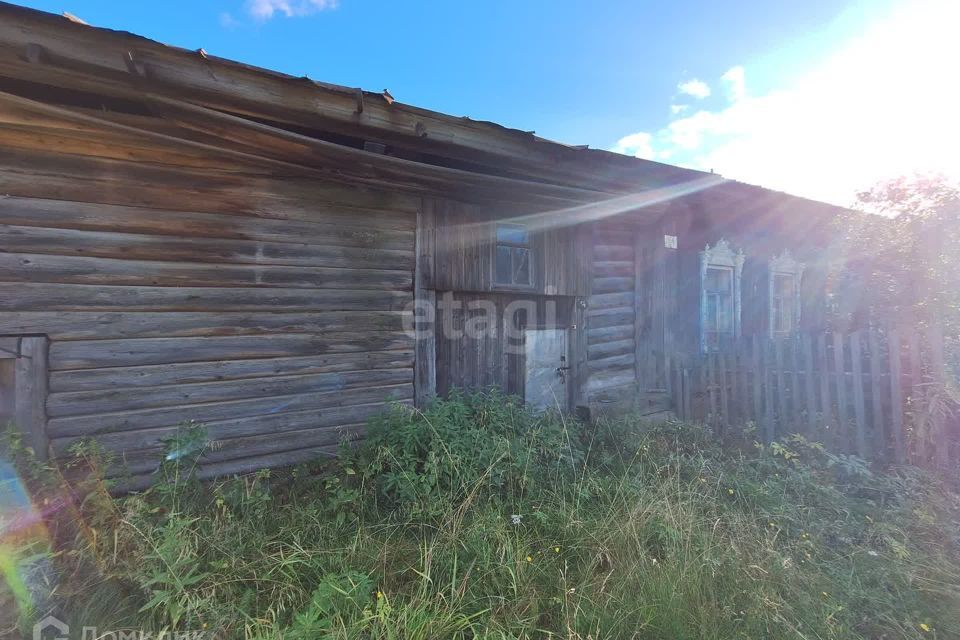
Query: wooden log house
pixel 188 238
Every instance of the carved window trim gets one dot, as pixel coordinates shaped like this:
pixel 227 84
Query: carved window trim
pixel 721 255
pixel 784 265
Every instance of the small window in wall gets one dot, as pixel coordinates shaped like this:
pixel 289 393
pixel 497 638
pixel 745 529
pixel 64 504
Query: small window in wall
pixel 720 273
pixel 784 282
pixel 512 259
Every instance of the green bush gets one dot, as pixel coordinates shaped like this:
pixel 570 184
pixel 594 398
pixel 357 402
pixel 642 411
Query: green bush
pixel 477 519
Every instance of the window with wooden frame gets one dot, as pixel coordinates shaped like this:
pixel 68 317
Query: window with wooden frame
pixel 721 270
pixel 512 256
pixel 785 275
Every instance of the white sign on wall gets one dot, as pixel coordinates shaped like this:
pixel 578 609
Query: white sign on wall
pixel 670 242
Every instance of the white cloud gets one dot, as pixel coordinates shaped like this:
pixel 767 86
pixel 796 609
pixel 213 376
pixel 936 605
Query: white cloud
pixel 265 9
pixel 677 109
pixel 879 108
pixel 636 144
pixel 734 82
pixel 696 88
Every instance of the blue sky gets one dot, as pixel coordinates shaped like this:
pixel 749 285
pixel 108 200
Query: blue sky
pixel 819 98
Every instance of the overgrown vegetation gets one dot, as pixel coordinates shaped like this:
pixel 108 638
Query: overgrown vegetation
pixel 476 519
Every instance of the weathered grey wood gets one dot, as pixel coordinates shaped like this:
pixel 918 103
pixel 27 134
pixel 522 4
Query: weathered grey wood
pixel 622 299
pixel 896 394
pixel 121 398
pixel 757 381
pixel 608 334
pixel 840 377
pixel 64 297
pixel 425 306
pixel 140 246
pixel 880 436
pixel 796 397
pixel 826 402
pixel 607 349
pixel 939 437
pixel 612 252
pixel 92 354
pixel 213 411
pixel 613 362
pixel 711 362
pixel 769 424
pixel 686 381
pixel 810 389
pixel 722 360
pixel 611 318
pixel 36 268
pixel 783 415
pixel 620 268
pixel 612 285
pixel 219 430
pixel 79 325
pixel 30 393
pixel 219 370
pixel 372 230
pixel 859 406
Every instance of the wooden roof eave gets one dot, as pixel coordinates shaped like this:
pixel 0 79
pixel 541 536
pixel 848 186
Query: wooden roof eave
pixel 251 143
pixel 74 55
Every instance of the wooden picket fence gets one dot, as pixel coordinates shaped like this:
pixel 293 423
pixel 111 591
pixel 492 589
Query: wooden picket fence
pixel 878 393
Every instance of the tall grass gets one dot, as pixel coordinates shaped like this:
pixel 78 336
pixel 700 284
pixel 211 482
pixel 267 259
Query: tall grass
pixel 476 519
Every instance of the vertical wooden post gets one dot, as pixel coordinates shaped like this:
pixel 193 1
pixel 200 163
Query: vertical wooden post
pixel 757 381
pixel 826 403
pixel 425 305
pixel 859 408
pixel 779 347
pixel 768 417
pixel 686 382
pixel 881 439
pixel 796 401
pixel 724 363
pixel 30 394
pixel 810 395
pixel 916 380
pixel 712 388
pixel 840 371
pixel 941 444
pixel 896 395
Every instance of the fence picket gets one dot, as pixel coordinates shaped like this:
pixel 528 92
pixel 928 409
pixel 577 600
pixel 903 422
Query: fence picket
pixel 826 403
pixel 806 346
pixel 859 408
pixel 896 395
pixel 840 375
pixel 880 437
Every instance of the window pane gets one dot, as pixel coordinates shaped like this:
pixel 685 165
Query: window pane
pixel 504 267
pixel 512 233
pixel 521 266
pixel 719 280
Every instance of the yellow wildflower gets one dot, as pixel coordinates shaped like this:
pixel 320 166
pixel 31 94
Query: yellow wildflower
pixel 925 626
pixel 379 595
pixel 556 549
pixel 529 558
pixel 730 491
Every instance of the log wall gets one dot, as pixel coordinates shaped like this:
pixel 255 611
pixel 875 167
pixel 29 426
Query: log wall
pixel 269 309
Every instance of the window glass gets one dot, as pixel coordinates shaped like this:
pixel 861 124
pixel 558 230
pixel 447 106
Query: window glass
pixel 784 302
pixel 512 257
pixel 512 234
pixel 718 317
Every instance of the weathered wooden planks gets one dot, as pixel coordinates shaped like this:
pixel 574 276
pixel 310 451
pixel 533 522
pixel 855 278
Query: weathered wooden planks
pixel 82 297
pixel 37 268
pixel 185 373
pixel 214 411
